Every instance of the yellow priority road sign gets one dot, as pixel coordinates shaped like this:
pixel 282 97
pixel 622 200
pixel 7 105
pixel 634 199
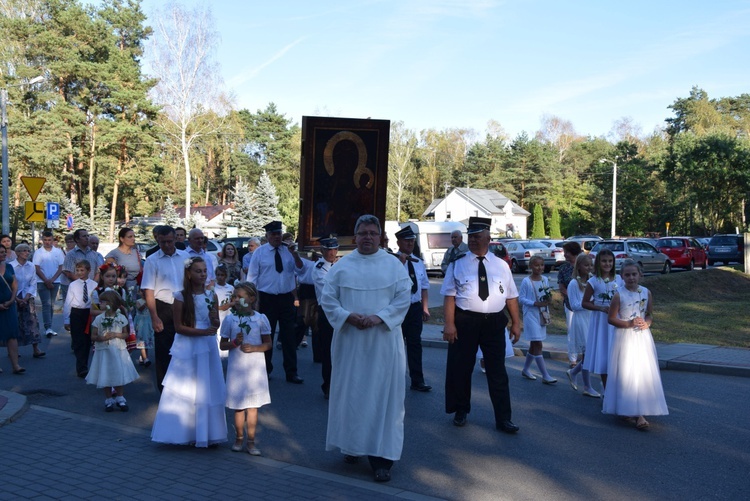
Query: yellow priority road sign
pixel 33 185
pixel 35 212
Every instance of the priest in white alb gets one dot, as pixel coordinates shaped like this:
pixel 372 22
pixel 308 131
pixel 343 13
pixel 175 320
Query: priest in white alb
pixel 365 298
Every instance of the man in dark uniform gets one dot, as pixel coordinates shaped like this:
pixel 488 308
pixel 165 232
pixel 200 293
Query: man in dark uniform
pixel 418 311
pixel 329 247
pixel 272 269
pixel 478 286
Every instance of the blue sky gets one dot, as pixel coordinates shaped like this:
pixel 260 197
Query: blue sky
pixel 460 63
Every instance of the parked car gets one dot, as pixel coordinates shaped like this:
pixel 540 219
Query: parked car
pixel 498 249
pixel 726 249
pixel 520 252
pixel 587 242
pixel 240 244
pixel 213 247
pixel 704 242
pixel 555 246
pixel 684 252
pixel 649 257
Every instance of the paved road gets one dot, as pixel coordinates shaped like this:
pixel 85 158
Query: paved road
pixel 566 448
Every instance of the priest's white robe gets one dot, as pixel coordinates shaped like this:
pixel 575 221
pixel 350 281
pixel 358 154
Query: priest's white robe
pixel 368 379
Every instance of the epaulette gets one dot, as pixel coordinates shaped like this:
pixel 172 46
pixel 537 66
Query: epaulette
pixel 319 265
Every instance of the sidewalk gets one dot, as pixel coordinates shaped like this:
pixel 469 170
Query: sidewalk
pixel 705 358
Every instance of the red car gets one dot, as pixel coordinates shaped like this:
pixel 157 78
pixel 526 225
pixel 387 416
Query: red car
pixel 684 252
pixel 498 248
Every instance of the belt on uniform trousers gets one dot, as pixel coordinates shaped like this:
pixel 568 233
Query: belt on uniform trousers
pixel 276 295
pixel 476 314
pixel 417 302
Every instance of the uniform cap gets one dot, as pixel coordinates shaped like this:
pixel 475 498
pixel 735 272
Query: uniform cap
pixel 273 227
pixel 477 224
pixel 406 233
pixel 329 243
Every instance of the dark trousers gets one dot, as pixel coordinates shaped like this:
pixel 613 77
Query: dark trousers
pixel 163 342
pixel 487 331
pixel 79 340
pixel 411 328
pixel 325 337
pixel 279 308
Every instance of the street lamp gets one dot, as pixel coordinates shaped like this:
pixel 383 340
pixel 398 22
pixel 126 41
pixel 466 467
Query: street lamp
pixel 4 125
pixel 614 192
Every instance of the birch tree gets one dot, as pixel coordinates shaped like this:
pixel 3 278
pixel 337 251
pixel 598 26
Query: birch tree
pixel 183 53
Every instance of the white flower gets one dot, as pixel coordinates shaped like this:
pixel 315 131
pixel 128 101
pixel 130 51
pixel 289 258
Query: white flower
pixel 243 303
pixel 188 262
pixel 107 307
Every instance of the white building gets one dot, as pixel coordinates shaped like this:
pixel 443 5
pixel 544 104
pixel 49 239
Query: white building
pixel 463 203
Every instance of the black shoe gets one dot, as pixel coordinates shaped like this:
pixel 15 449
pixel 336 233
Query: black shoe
pixel 83 373
pixel 460 418
pixel 507 426
pixel 421 387
pixel 348 459
pixel 382 475
pixel 294 379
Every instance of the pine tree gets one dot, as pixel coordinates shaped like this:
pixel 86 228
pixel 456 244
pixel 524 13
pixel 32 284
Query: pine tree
pixel 267 201
pixel 554 224
pixel 195 220
pixel 537 230
pixel 169 214
pixel 80 221
pixel 100 223
pixel 245 209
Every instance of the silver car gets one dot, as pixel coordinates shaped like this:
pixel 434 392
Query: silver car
pixel 650 259
pixel 520 251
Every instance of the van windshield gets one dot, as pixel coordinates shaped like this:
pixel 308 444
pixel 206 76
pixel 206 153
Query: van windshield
pixel 439 240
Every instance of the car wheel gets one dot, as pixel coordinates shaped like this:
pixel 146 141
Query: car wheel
pixel 705 264
pixel 691 266
pixel 514 266
pixel 667 268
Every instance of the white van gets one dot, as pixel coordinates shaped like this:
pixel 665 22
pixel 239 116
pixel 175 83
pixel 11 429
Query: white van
pixel 433 240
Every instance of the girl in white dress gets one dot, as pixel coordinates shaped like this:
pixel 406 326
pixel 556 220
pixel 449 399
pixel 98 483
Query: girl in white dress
pixel 599 292
pixel 247 335
pixel 535 295
pixel 191 407
pixel 635 387
pixel 111 366
pixel 579 322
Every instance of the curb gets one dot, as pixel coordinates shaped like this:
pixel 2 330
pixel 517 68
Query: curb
pixel 15 406
pixel 722 370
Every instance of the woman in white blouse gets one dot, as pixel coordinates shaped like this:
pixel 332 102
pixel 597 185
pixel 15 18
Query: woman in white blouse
pixel 28 324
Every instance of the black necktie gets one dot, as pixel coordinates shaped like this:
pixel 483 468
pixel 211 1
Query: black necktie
pixel 85 292
pixel 413 276
pixel 484 288
pixel 279 265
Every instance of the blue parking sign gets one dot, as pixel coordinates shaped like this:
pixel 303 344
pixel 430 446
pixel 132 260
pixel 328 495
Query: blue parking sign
pixel 53 211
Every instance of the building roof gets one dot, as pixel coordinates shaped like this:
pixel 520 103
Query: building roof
pixel 491 201
pixel 207 211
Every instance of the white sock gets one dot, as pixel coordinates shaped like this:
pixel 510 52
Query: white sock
pixel 527 365
pixel 542 366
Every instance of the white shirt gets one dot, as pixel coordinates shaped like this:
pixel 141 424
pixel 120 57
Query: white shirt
pixel 74 297
pixel 262 270
pixel 462 281
pixel 423 281
pixel 319 272
pixel 164 274
pixel 26 278
pixel 49 261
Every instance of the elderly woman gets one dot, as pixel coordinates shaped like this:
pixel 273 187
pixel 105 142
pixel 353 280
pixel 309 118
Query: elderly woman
pixel 8 316
pixel 28 324
pixel 564 276
pixel 126 255
pixel 230 259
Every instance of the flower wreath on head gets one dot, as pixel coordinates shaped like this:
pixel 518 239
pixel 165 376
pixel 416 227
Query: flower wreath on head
pixel 106 266
pixel 189 261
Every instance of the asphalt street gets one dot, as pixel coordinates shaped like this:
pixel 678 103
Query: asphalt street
pixel 566 448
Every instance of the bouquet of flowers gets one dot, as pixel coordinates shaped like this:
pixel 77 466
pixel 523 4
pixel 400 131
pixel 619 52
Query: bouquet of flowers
pixel 607 296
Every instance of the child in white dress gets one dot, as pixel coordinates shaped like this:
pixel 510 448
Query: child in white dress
pixel 223 293
pixel 598 294
pixel 111 366
pixel 247 335
pixel 191 407
pixel 535 295
pixel 144 329
pixel 634 388
pixel 579 322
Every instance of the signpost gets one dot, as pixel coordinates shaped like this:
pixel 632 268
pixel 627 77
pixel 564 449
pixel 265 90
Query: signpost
pixel 34 210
